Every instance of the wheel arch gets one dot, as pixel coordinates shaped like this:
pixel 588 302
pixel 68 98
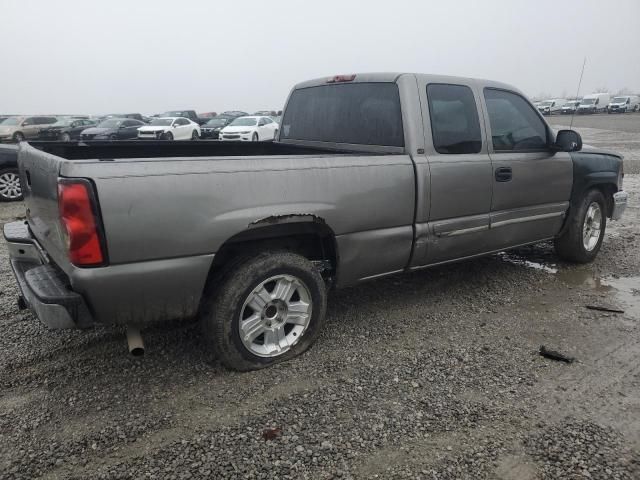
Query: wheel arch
pixel 306 234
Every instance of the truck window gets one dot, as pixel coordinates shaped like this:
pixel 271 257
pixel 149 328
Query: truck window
pixel 355 113
pixel 514 123
pixel 455 126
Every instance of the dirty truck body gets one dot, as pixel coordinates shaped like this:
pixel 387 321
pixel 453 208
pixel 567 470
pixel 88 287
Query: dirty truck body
pixel 402 172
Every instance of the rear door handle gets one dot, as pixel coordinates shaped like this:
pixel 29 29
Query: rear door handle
pixel 503 174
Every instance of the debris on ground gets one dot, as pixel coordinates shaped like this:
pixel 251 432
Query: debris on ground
pixel 553 355
pixel 604 309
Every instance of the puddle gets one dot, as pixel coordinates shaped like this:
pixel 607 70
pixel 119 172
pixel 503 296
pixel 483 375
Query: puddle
pixel 517 260
pixel 622 291
pixel 625 291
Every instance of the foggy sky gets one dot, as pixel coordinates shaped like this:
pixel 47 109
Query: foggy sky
pixel 145 56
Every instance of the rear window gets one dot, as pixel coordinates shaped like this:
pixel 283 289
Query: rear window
pixel 356 113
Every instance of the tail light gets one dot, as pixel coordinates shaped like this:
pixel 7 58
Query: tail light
pixel 79 216
pixel 341 78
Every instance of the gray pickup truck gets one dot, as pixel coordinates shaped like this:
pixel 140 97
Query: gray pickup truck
pixel 371 175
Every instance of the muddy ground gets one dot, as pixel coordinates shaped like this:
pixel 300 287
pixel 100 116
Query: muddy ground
pixel 430 375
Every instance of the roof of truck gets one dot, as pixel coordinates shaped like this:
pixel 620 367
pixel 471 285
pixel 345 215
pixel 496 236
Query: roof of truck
pixel 390 77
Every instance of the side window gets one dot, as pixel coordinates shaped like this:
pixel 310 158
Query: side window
pixel 455 126
pixel 183 121
pixel 514 123
pixel 267 120
pixel 30 121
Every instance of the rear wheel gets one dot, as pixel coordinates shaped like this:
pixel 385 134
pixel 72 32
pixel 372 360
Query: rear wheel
pixel 194 135
pixel 18 137
pixel 65 137
pixel 113 136
pixel 10 188
pixel 582 239
pixel 275 134
pixel 263 310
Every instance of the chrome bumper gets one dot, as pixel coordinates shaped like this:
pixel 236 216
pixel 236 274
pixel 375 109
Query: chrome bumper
pixel 619 204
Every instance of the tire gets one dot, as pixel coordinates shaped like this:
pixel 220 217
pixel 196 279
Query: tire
pixel 226 310
pixel 10 189
pixel 168 136
pixel 275 134
pixel 194 135
pixel 18 137
pixel 65 137
pixel 573 244
pixel 254 138
pixel 113 137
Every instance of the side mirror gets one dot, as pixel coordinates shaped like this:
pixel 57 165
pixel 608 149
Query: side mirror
pixel 568 141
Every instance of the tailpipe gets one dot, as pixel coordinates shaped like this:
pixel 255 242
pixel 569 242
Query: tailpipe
pixel 134 340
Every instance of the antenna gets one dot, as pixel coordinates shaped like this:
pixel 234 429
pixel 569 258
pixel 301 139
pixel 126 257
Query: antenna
pixel 578 91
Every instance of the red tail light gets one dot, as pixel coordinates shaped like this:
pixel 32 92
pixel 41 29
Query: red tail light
pixel 79 217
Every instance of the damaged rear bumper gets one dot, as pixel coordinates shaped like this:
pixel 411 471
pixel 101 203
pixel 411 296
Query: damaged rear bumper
pixel 45 289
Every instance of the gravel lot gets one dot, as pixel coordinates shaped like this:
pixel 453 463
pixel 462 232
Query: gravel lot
pixel 428 375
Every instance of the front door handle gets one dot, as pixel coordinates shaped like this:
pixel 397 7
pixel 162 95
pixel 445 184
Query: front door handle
pixel 503 174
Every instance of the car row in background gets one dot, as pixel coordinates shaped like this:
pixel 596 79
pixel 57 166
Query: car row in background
pixel 9 178
pixel 17 129
pixel 592 103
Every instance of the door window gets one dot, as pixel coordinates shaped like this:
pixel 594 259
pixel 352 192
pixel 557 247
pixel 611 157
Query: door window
pixel 514 123
pixel 455 126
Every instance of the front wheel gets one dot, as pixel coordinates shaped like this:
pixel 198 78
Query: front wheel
pixel 254 137
pixel 263 310
pixel 10 188
pixel 168 136
pixel 65 137
pixel 18 137
pixel 275 134
pixel 582 239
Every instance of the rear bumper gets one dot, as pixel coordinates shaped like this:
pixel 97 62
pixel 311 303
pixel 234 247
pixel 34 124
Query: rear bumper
pixel 619 205
pixel 45 289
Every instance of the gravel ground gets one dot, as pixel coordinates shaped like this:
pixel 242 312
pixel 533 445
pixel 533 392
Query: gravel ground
pixel 429 375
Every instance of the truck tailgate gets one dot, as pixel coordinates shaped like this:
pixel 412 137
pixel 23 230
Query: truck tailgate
pixel 39 173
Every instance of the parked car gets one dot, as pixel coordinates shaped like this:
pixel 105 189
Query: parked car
pixel 265 113
pixel 253 129
pixel 549 107
pixel 10 188
pixel 624 103
pixel 113 129
pixel 570 107
pixel 372 175
pixel 134 116
pixel 190 114
pixel 235 113
pixel 17 129
pixel 594 103
pixel 212 128
pixel 170 128
pixel 65 129
pixel 207 115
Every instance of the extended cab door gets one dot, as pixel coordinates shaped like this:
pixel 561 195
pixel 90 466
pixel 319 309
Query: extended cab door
pixel 460 174
pixel 531 183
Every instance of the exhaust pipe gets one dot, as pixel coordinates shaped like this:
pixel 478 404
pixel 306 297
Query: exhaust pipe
pixel 134 340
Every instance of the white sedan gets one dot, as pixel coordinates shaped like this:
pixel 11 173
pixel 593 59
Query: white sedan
pixel 250 129
pixel 170 128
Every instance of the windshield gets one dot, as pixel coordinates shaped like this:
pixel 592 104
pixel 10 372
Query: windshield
pixel 217 122
pixel 588 101
pixel 244 122
pixel 546 104
pixel 65 122
pixel 111 123
pixel 619 100
pixel 11 121
pixel 161 122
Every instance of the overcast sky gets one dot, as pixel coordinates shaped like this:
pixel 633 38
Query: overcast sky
pixel 144 56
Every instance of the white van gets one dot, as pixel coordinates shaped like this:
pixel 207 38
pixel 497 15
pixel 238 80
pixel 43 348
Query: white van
pixel 549 107
pixel 624 103
pixel 594 103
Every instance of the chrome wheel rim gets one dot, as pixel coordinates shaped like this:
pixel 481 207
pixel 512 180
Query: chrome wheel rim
pixel 592 226
pixel 275 315
pixel 10 186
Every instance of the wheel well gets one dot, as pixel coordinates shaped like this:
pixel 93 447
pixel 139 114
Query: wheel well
pixel 607 189
pixel 311 239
